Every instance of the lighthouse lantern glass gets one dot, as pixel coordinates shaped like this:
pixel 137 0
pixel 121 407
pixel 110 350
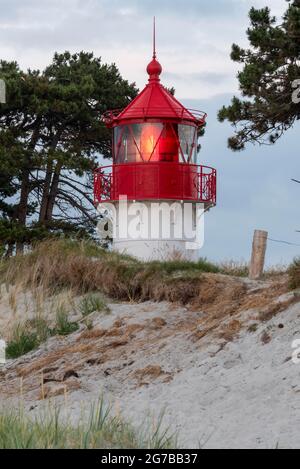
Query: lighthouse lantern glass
pixel 125 150
pixel 148 142
pixel 155 141
pixel 188 142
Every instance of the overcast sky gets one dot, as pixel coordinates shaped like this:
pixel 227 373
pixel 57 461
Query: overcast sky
pixel 194 39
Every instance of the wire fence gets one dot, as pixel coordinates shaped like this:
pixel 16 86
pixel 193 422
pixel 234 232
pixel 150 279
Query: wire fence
pixel 283 242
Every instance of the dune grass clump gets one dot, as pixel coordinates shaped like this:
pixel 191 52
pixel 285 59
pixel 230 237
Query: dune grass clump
pixel 28 336
pixel 83 267
pixel 92 303
pixel 241 269
pixel 23 341
pixel 63 326
pixel 99 430
pixel 40 327
pixel 169 267
pixel 294 274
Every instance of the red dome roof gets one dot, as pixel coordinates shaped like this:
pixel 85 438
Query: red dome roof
pixel 154 102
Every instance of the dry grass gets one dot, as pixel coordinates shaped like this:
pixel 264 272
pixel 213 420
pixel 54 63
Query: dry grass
pixel 241 269
pixel 237 269
pixel 276 271
pixel 270 311
pixel 294 274
pixel 231 330
pixel 82 267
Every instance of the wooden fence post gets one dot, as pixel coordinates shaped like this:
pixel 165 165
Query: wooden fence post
pixel 259 248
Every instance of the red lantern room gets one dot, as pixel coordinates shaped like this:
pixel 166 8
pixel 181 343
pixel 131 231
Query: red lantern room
pixel 155 148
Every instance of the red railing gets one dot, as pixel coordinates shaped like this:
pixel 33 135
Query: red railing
pixel 156 181
pixel 110 116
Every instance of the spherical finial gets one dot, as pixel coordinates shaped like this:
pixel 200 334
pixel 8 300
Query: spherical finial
pixel 154 69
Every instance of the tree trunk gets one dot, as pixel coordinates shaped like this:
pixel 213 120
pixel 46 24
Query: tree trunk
pixel 48 184
pixel 53 192
pixel 25 191
pixel 46 188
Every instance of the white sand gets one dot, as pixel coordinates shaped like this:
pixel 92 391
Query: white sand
pixel 240 395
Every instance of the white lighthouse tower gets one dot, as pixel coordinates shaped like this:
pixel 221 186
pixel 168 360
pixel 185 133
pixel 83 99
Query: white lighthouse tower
pixel 156 188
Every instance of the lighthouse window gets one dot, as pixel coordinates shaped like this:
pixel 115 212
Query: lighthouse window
pixel 125 148
pixel 138 142
pixel 155 141
pixel 149 140
pixel 188 142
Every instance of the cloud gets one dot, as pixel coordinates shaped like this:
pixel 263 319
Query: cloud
pixel 194 37
pixel 201 77
pixel 176 7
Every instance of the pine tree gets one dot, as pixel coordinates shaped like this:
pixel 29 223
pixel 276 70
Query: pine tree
pixel 271 66
pixel 51 134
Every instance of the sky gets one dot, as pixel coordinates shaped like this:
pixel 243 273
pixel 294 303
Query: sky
pixel 194 39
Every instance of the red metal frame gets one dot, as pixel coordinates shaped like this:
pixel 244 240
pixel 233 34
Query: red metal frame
pixel 110 118
pixel 156 181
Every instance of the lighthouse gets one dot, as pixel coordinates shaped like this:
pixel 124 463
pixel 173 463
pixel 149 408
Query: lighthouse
pixel 156 191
